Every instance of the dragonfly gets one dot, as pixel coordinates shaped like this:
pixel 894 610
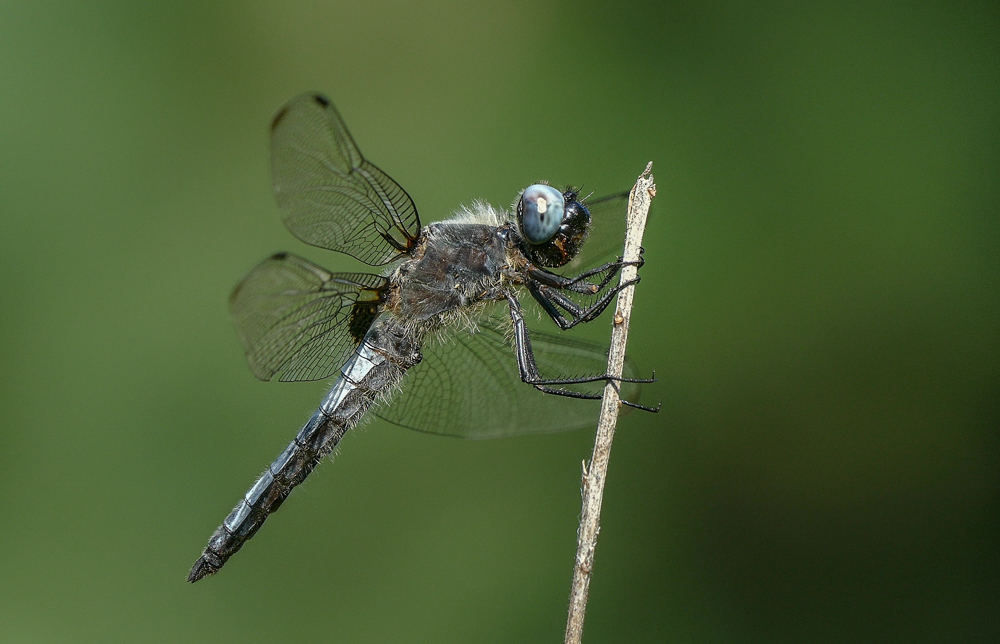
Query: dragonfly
pixel 438 341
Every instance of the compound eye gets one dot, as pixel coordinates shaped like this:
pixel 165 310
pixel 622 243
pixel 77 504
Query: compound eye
pixel 541 213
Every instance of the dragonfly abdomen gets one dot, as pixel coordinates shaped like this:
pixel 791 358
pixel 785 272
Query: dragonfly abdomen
pixel 373 370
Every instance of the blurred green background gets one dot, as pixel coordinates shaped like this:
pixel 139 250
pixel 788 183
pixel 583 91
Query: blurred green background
pixel 820 302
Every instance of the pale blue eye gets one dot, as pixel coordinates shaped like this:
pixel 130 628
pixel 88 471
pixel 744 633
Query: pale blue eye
pixel 540 213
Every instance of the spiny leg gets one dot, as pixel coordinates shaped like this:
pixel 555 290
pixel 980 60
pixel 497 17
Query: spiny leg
pixel 528 369
pixel 611 267
pixel 549 297
pixel 578 283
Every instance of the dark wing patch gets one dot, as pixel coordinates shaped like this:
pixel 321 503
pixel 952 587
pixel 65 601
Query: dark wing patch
pixel 334 198
pixel 362 316
pixel 298 320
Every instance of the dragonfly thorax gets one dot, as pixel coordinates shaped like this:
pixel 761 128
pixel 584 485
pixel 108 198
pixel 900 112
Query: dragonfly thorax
pixel 455 266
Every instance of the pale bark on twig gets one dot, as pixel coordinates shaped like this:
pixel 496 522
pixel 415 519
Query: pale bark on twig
pixel 593 476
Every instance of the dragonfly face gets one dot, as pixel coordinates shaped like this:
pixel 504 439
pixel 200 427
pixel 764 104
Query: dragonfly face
pixel 553 225
pixel 443 325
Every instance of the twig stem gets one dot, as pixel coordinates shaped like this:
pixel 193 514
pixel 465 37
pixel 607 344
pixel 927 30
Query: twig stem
pixel 593 476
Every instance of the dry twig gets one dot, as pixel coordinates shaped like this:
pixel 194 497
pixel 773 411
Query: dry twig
pixel 593 476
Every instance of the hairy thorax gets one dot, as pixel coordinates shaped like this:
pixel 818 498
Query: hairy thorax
pixel 456 266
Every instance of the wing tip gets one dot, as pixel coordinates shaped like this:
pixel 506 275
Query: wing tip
pixel 278 117
pixel 315 97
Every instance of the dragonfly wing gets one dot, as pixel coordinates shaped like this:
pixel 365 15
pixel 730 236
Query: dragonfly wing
pixel 334 198
pixel 468 384
pixel 298 320
pixel 606 240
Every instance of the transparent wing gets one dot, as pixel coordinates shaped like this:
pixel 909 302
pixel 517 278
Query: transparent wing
pixel 468 385
pixel 299 320
pixel 606 240
pixel 333 198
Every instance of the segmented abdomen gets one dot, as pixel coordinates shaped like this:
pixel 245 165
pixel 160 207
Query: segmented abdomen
pixel 373 370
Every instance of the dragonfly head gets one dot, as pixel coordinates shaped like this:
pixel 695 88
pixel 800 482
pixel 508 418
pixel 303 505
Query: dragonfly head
pixel 552 224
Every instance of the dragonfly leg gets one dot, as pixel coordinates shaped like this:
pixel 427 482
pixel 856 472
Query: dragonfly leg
pixel 550 299
pixel 579 283
pixel 528 369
